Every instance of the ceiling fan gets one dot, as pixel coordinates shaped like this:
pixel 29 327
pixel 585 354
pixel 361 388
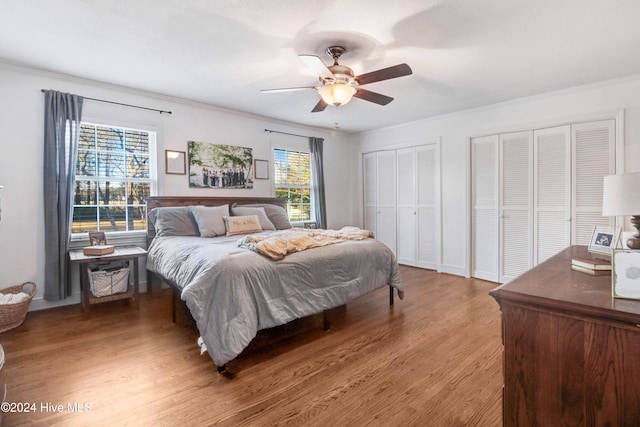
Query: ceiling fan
pixel 339 84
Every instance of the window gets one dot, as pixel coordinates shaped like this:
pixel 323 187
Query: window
pixel 112 179
pixel 293 182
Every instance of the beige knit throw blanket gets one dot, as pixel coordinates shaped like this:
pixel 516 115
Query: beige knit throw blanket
pixel 277 245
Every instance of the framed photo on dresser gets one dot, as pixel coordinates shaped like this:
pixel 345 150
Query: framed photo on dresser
pixel 604 239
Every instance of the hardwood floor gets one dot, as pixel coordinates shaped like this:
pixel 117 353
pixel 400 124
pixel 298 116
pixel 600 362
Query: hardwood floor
pixel 433 359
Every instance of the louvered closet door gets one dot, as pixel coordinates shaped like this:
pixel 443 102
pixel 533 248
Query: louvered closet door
pixel 515 183
pixel 406 212
pixel 552 192
pixel 386 199
pixel 593 147
pixel 484 182
pixel 369 180
pixel 428 206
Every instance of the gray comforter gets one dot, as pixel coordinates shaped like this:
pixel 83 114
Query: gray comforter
pixel 233 292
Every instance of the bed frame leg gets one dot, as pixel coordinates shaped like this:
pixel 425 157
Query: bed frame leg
pixel 325 318
pixel 390 295
pixel 222 369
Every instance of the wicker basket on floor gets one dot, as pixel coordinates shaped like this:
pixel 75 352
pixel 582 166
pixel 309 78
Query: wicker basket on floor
pixel 12 315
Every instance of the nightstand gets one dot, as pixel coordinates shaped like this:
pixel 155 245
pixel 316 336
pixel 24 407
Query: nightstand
pixel 120 253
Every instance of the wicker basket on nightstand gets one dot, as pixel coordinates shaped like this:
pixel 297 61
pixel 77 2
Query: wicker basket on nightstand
pixel 12 315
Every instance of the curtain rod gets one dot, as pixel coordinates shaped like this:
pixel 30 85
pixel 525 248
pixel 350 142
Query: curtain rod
pixel 120 103
pixel 287 133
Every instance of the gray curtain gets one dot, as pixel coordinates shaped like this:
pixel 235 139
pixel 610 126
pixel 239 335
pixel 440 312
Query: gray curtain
pixel 317 169
pixel 62 115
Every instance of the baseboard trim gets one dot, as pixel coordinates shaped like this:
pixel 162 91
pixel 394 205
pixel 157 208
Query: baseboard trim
pixel 39 303
pixel 452 269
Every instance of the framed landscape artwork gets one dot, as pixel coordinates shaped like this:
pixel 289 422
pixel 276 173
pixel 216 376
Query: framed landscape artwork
pixel 220 166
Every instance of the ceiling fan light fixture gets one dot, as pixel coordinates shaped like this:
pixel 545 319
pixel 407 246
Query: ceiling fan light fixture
pixel 337 94
pixel 338 83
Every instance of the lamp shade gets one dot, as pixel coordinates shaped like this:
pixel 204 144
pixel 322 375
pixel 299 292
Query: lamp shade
pixel 621 195
pixel 337 94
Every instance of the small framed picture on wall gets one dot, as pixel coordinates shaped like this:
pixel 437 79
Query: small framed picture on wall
pixel 175 162
pixel 261 169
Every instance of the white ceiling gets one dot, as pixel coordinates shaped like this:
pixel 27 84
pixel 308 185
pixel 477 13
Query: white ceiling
pixel 464 53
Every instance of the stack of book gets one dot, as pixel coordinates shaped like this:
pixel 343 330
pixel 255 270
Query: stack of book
pixel 593 266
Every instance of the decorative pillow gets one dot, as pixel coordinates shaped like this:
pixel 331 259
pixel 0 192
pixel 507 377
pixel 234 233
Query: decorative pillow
pixel 242 224
pixel 259 212
pixel 174 221
pixel 276 214
pixel 209 219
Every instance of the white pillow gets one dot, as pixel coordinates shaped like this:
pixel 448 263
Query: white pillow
pixel 242 224
pixel 210 219
pixel 265 223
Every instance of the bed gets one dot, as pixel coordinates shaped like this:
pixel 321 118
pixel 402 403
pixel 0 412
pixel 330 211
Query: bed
pixel 233 292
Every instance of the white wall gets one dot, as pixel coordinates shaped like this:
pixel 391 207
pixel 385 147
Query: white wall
pixel 592 102
pixel 21 127
pixel 21 157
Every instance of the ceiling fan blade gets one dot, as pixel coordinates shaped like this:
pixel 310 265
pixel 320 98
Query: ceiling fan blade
pixel 317 65
pixel 287 89
pixel 320 106
pixel 384 74
pixel 377 98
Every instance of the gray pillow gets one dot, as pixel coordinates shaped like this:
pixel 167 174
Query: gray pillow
pixel 265 223
pixel 174 221
pixel 209 219
pixel 276 214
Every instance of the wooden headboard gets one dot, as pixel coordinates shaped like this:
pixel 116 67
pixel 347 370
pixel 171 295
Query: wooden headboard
pixel 165 201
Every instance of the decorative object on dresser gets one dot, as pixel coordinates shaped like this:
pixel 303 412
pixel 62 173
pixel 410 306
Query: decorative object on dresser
pixel 621 196
pixel 591 263
pixel 625 280
pixel 14 303
pixel 571 351
pixel 590 271
pixel 604 239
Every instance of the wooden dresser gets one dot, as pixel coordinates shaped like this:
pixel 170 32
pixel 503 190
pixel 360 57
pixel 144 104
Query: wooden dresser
pixel 571 352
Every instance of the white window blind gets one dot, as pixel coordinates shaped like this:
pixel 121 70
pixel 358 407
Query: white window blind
pixel 292 181
pixel 112 179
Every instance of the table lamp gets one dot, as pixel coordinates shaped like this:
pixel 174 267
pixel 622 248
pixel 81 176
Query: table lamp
pixel 621 196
